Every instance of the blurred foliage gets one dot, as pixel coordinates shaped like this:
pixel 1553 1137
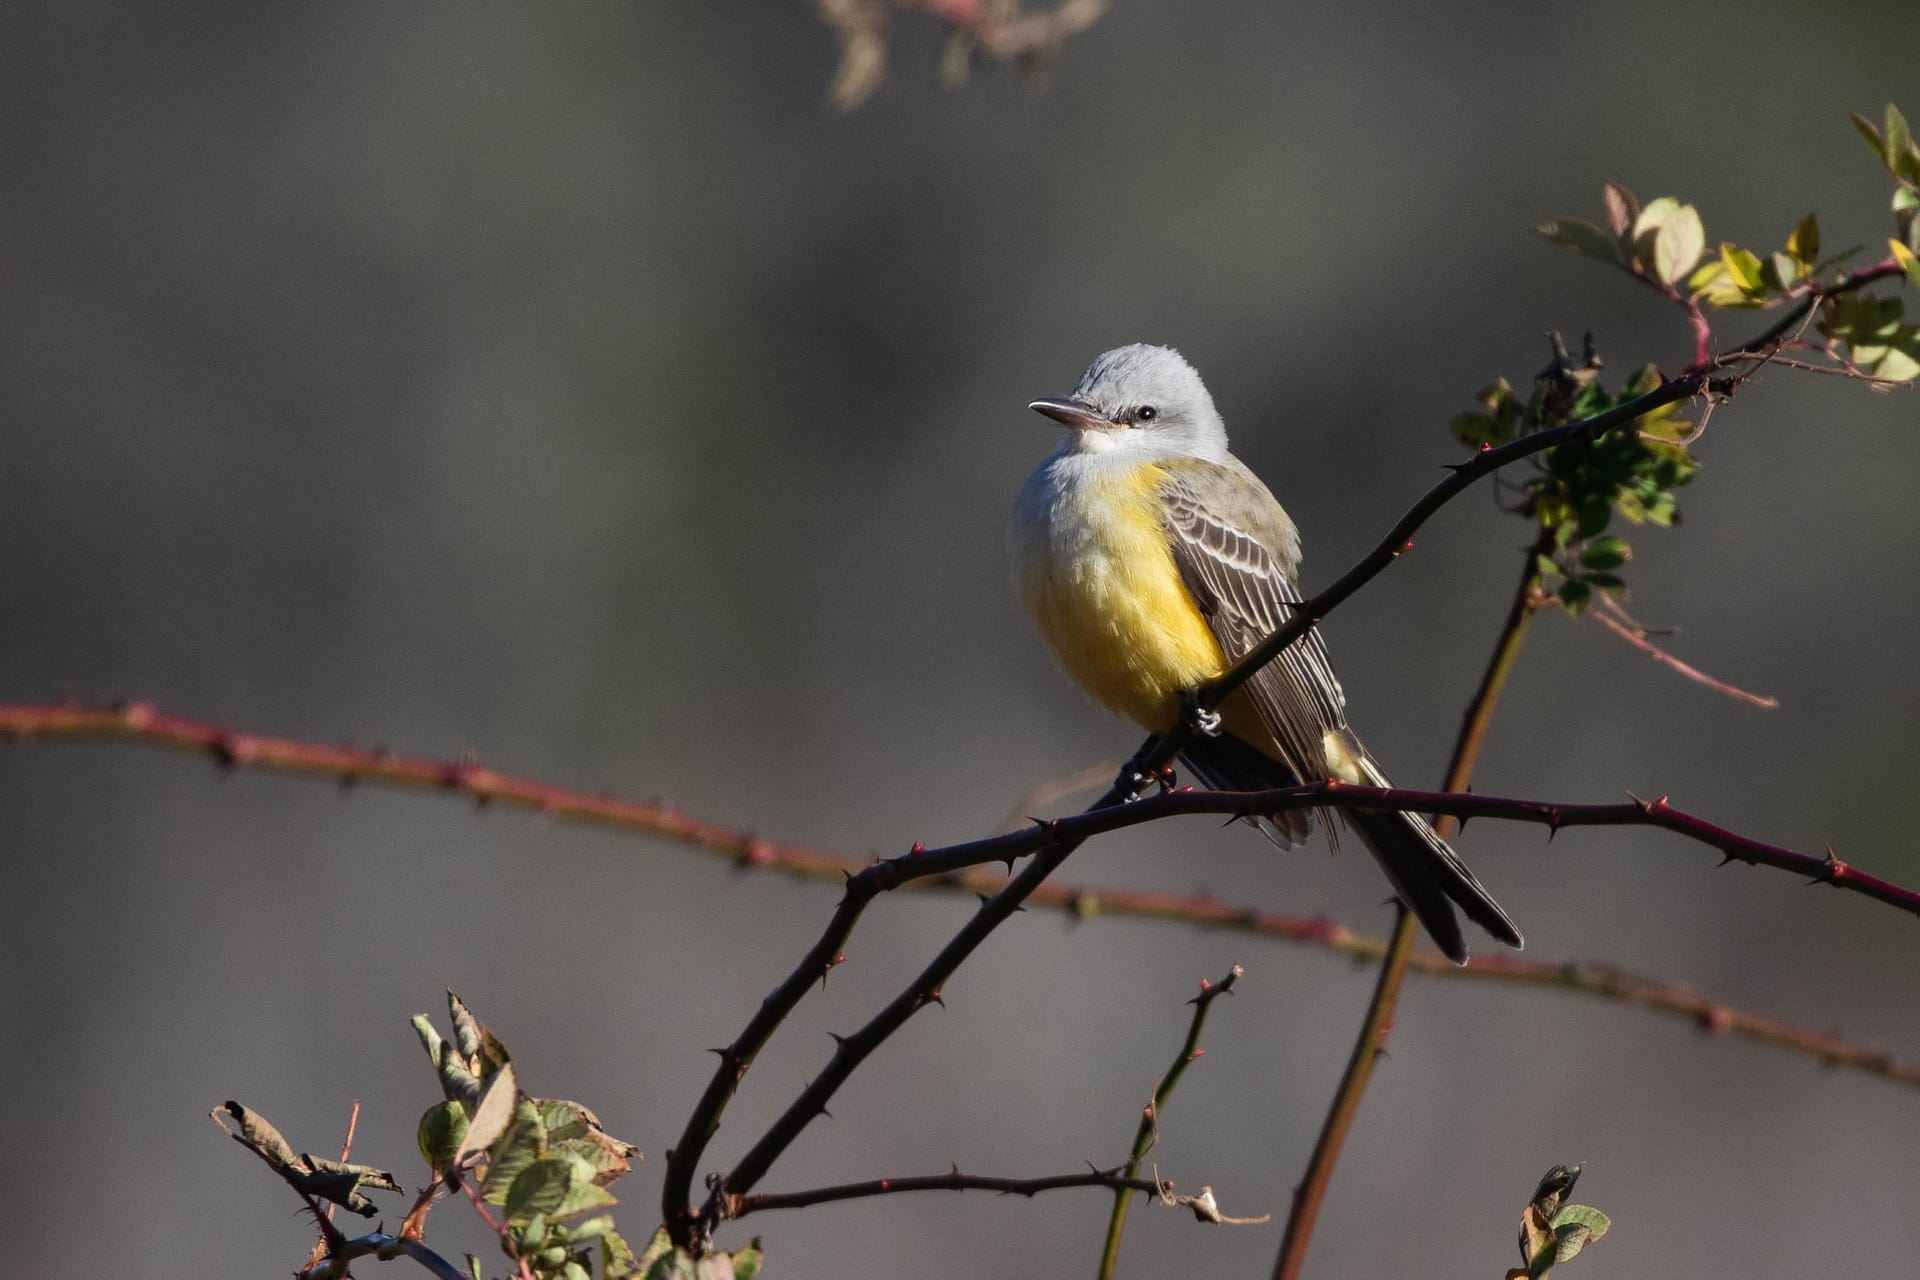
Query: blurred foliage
pixel 542 1163
pixel 1577 489
pixel 1552 1231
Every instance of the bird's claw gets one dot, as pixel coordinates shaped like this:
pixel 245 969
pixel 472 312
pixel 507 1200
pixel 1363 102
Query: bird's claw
pixel 1136 779
pixel 1203 722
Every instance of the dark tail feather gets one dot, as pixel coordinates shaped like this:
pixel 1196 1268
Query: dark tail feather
pixel 1429 876
pixel 1225 763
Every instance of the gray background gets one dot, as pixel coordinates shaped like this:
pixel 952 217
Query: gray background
pixel 570 387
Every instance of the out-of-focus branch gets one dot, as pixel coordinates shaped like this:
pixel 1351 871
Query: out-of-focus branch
pixel 1116 1179
pixel 1371 1043
pixel 1148 1131
pixel 141 722
pixel 997 29
pixel 1615 619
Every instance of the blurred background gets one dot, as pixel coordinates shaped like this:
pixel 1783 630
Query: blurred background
pixel 573 388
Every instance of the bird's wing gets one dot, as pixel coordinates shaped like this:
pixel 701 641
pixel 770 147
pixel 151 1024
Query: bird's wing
pixel 1236 552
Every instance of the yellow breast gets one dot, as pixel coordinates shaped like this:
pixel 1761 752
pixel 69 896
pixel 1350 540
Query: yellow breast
pixel 1096 574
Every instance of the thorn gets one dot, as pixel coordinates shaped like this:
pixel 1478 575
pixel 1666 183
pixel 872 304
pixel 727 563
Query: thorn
pixel 1196 1055
pixel 954 1167
pixel 916 849
pixel 933 997
pixel 1486 446
pixel 836 1037
pixel 828 1114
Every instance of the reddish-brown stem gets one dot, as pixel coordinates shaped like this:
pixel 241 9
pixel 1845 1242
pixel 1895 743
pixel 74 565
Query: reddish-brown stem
pixel 22 722
pixel 1378 1023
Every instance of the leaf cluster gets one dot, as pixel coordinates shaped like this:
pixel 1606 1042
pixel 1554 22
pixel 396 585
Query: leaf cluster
pixel 541 1161
pixel 1576 489
pixel 1552 1231
pixel 1662 243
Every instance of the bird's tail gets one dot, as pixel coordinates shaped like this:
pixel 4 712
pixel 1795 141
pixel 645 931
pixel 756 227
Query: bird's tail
pixel 1225 763
pixel 1427 874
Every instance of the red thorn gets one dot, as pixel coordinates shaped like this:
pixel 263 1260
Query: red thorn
pixel 1197 1054
pixel 1486 446
pixel 917 848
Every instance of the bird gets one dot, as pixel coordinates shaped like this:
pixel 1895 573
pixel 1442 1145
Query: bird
pixel 1151 559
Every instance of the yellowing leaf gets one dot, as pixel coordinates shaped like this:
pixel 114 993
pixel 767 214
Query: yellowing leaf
pixel 1804 243
pixel 1909 263
pixel 1678 244
pixel 1743 267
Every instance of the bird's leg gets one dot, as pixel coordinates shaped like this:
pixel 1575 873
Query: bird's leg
pixel 1136 775
pixel 1202 721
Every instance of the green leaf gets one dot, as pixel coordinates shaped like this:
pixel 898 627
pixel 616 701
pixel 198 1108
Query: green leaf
pixel 525 1142
pixel 616 1256
pixel 1901 363
pixel 492 1116
pixel 1646 227
pixel 746 1262
pixel 1583 238
pixel 1871 134
pixel 1574 595
pixel 540 1188
pixel 1786 270
pixel 1606 553
pixel 1908 260
pixel 440 1132
pixel 1678 245
pixel 1744 268
pixel 1899 141
pixel 455 1080
pixel 1575 1227
pixel 1804 241
pixel 658 1247
pixel 1476 429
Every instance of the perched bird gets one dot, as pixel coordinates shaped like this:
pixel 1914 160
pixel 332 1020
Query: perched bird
pixel 1152 559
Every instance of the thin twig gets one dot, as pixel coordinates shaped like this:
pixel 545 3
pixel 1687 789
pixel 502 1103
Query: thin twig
pixel 1115 1179
pixel 1148 1131
pixel 1378 1023
pixel 1636 635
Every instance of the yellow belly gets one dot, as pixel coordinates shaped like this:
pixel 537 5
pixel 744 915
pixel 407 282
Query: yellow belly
pixel 1100 581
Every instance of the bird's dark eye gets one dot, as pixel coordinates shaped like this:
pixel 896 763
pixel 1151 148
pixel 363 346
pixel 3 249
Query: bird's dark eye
pixel 1146 413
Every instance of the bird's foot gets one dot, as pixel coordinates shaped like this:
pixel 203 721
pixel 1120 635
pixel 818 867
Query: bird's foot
pixel 1137 777
pixel 1196 717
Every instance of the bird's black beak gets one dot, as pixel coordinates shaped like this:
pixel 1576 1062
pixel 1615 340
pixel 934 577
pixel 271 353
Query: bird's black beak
pixel 1072 413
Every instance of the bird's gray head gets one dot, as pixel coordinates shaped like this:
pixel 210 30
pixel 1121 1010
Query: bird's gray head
pixel 1144 401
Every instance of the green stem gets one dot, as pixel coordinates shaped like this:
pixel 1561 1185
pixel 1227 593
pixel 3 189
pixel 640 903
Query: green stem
pixel 1312 1191
pixel 1148 1132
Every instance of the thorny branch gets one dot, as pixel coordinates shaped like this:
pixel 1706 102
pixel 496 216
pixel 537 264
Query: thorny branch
pixel 141 723
pixel 1117 1179
pixel 1147 1133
